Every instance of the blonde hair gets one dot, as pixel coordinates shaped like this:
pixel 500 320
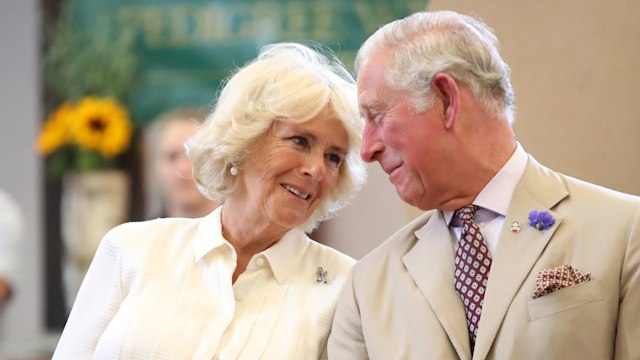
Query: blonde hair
pixel 287 82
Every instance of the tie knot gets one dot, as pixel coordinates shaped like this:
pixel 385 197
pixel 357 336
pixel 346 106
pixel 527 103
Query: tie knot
pixel 466 213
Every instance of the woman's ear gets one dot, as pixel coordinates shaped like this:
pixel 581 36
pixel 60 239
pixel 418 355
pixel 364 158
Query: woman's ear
pixel 447 92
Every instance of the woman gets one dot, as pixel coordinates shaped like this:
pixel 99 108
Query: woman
pixel 171 189
pixel 244 282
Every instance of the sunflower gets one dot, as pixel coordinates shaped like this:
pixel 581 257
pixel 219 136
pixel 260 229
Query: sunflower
pixel 101 124
pixel 55 131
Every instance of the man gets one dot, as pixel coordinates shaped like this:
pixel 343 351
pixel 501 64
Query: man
pixel 541 266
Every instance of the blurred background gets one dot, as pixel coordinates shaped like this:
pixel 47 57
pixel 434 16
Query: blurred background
pixel 117 65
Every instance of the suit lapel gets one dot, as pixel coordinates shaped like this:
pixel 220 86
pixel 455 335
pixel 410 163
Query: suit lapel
pixel 516 254
pixel 430 264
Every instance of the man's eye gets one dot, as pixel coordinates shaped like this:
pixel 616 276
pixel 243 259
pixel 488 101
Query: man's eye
pixel 374 117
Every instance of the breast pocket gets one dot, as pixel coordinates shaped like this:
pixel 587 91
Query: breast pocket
pixel 565 299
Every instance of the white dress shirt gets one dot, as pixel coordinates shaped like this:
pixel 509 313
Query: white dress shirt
pixel 493 201
pixel 162 289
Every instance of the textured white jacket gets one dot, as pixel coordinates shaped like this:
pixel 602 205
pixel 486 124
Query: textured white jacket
pixel 162 289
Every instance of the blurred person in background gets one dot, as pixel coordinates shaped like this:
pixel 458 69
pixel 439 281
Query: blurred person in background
pixel 11 233
pixel 281 149
pixel 172 192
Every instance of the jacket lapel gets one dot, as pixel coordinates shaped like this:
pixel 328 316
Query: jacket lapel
pixel 430 264
pixel 539 189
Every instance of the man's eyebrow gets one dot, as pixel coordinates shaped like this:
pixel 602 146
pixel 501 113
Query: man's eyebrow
pixel 369 104
pixel 367 107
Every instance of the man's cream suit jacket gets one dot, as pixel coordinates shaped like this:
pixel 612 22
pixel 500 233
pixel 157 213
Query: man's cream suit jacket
pixel 399 301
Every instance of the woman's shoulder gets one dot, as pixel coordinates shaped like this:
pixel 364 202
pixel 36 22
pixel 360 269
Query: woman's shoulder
pixel 159 225
pixel 328 254
pixel 156 232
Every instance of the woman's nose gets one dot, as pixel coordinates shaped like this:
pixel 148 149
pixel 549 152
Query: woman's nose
pixel 314 165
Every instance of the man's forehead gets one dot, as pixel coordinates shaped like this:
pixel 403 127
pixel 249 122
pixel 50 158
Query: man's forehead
pixel 369 100
pixel 370 79
pixel 370 69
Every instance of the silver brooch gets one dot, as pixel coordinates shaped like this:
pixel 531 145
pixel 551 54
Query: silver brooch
pixel 321 275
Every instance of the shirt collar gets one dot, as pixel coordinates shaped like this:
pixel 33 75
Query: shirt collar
pixel 496 195
pixel 282 257
pixel 209 235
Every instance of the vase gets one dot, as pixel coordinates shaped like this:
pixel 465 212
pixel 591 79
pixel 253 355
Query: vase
pixel 93 202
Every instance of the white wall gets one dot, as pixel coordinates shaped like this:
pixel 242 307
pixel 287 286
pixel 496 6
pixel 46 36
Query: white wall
pixel 20 172
pixel 375 213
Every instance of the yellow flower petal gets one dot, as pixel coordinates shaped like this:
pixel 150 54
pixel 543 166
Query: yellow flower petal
pixel 55 131
pixel 101 124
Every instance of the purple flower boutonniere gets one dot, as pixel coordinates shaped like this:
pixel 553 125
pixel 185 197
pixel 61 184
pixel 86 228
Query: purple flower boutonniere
pixel 541 220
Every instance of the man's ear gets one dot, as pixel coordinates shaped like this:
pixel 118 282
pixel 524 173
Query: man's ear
pixel 446 90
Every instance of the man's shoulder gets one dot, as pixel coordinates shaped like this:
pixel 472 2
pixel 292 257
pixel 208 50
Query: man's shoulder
pixel 539 174
pixel 397 245
pixel 577 187
pixel 545 184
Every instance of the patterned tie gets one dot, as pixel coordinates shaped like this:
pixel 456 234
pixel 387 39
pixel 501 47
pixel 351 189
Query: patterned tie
pixel 473 263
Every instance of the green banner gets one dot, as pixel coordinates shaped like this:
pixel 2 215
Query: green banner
pixel 185 48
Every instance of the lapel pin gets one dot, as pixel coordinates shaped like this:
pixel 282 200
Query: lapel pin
pixel 541 220
pixel 321 275
pixel 515 227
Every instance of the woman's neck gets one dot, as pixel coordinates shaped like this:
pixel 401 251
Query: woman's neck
pixel 248 235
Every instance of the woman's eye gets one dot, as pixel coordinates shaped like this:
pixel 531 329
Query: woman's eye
pixel 299 140
pixel 334 159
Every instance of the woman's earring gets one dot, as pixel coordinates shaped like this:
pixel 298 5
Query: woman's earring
pixel 233 171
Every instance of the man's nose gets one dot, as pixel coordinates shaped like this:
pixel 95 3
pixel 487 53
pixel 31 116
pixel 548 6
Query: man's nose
pixel 371 146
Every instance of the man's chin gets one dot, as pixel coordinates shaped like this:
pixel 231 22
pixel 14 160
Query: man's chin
pixel 407 197
pixel 414 200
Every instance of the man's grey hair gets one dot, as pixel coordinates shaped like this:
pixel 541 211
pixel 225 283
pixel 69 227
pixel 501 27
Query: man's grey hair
pixel 427 43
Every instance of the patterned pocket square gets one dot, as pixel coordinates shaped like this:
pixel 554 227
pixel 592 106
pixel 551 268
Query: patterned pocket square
pixel 550 280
